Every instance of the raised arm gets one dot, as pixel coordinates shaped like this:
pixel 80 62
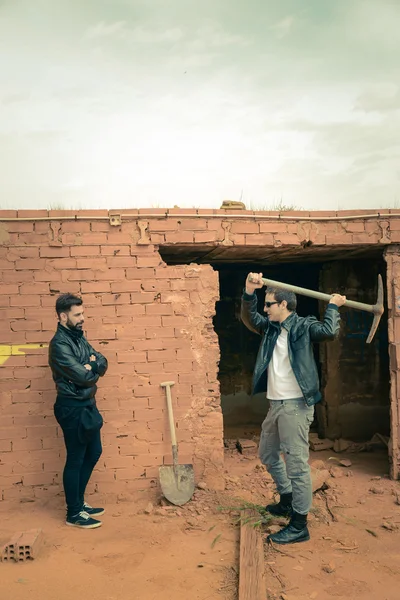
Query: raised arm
pixel 328 329
pixel 249 314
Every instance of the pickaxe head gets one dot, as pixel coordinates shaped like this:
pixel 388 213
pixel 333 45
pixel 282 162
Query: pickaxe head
pixel 377 311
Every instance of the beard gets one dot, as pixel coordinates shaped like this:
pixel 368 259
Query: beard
pixel 77 327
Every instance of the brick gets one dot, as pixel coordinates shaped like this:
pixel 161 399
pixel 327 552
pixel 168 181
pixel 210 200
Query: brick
pixel 5 446
pixel 26 444
pixel 99 311
pixel 34 288
pixel 130 310
pixel 42 478
pixel 20 227
pixel 9 289
pixel 154 332
pixel 119 462
pixel 93 263
pixel 121 261
pixel 140 274
pixel 142 297
pixel 6 264
pixel 149 460
pixel 394 224
pixel 161 355
pixel 163 226
pixel 115 251
pixel 205 237
pixel 356 227
pixel 129 331
pixel 366 238
pixel 95 287
pixel 25 301
pixel 182 366
pixel 263 239
pixel 176 322
pixel 37 373
pixel 22 252
pixel 245 227
pixel 30 264
pixel 179 237
pixel 344 239
pixel 159 309
pixel 149 261
pixel 273 227
pixel 16 276
pixel 109 275
pixel 107 299
pixel 55 252
pixel 115 238
pixel 126 286
pixel 53 276
pixel 25 325
pixel 193 224
pixel 131 357
pixel 85 251
pixel 4 301
pixel 42 432
pixel 289 239
pixel 133 472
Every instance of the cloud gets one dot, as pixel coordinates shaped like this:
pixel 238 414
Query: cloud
pixel 104 30
pixel 283 27
pixel 380 100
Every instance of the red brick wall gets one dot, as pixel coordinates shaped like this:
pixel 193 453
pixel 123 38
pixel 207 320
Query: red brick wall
pixel 152 321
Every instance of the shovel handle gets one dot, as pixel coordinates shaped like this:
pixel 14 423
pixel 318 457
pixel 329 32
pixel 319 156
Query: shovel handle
pixel 167 387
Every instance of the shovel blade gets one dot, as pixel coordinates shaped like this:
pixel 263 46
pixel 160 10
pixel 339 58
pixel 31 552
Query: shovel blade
pixel 177 485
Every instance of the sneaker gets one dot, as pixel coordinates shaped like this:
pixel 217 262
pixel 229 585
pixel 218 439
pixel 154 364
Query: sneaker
pixel 93 512
pixel 83 520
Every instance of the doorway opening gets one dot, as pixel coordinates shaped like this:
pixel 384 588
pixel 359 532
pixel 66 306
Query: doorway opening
pixel 354 376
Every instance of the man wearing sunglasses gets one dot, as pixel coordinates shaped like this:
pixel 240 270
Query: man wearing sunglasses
pixel 285 368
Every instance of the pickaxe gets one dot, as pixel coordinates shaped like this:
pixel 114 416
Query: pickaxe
pixel 375 309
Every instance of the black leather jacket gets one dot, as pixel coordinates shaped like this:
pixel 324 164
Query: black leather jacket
pixel 302 332
pixel 69 350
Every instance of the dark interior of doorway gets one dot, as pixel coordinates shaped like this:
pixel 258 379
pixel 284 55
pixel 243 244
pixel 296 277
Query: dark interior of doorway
pixel 354 375
pixel 244 412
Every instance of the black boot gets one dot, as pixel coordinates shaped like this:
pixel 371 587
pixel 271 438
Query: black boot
pixel 283 508
pixel 296 531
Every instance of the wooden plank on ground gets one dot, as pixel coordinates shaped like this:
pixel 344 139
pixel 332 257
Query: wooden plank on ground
pixel 251 573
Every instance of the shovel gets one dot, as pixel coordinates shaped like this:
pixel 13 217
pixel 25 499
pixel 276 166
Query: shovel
pixel 177 482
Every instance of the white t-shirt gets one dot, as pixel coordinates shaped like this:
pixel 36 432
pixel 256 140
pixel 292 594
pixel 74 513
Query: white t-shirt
pixel 282 383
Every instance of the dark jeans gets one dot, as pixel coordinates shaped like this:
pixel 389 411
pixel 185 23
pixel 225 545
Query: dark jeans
pixel 81 457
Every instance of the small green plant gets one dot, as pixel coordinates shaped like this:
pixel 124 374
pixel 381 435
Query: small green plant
pixel 264 519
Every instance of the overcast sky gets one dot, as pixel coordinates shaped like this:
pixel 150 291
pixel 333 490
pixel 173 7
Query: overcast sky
pixel 146 103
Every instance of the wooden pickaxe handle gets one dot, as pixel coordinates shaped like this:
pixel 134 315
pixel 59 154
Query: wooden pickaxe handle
pixel 376 309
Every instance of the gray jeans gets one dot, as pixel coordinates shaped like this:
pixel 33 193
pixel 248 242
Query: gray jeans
pixel 285 431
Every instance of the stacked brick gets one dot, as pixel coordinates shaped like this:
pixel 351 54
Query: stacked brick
pixel 151 320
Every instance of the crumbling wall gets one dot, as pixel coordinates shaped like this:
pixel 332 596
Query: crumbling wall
pixel 135 317
pixel 152 322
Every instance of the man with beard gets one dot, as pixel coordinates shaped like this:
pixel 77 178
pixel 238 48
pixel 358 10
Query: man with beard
pixel 286 370
pixel 76 368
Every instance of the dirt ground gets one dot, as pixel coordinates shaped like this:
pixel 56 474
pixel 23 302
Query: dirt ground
pixel 158 552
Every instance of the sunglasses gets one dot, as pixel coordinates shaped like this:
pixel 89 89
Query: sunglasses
pixel 268 304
